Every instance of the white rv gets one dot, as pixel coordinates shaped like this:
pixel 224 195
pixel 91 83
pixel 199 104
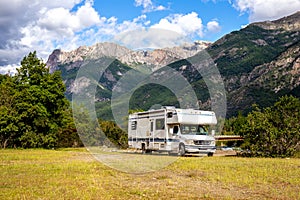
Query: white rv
pixel 172 130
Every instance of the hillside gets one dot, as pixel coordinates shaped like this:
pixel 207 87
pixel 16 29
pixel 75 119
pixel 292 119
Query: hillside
pixel 258 64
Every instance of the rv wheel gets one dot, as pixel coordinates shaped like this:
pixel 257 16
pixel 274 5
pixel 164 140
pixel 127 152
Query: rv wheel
pixel 181 150
pixel 143 148
pixel 210 154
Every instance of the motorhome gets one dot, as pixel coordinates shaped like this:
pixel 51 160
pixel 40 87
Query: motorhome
pixel 172 130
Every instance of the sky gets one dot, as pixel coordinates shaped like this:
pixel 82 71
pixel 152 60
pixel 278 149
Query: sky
pixel 43 25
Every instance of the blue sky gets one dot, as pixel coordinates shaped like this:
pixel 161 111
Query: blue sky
pixel 44 25
pixel 222 12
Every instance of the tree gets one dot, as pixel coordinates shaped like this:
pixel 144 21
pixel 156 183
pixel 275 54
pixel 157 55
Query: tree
pixel 274 131
pixel 40 103
pixel 97 132
pixel 233 125
pixel 68 136
pixel 114 133
pixel 87 128
pixel 8 113
pixel 34 107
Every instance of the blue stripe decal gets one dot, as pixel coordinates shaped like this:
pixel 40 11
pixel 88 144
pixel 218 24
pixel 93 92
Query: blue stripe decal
pixel 195 114
pixel 152 140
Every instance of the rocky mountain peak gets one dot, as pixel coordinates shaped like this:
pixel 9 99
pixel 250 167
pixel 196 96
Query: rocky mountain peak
pixel 155 58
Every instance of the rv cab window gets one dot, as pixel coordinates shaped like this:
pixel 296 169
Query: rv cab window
pixel 187 129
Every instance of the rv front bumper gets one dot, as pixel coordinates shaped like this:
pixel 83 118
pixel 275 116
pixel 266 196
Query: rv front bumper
pixel 200 149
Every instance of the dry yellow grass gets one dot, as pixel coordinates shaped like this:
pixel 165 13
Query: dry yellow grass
pixel 75 174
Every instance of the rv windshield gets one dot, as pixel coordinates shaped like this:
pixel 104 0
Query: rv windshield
pixel 187 129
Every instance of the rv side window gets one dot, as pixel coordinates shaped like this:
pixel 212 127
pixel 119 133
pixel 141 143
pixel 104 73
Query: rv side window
pixel 175 129
pixel 133 125
pixel 151 127
pixel 160 124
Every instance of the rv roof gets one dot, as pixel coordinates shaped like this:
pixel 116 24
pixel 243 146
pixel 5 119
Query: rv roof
pixel 152 111
pixel 168 107
pixel 179 110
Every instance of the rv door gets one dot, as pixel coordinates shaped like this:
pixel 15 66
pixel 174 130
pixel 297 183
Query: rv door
pixel 174 137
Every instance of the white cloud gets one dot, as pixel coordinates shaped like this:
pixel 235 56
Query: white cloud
pixel 149 6
pixel 144 3
pixel 9 69
pixel 136 23
pixel 59 19
pixel 42 26
pixel 68 4
pixel 87 15
pixel 64 22
pixel 160 7
pixel 189 24
pixel 213 26
pixel 261 10
pixel 111 27
pixel 152 38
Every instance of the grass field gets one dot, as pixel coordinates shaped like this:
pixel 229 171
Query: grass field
pixel 75 174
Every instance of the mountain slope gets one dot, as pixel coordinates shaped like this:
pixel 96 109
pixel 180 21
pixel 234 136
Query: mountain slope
pixel 258 64
pixel 155 58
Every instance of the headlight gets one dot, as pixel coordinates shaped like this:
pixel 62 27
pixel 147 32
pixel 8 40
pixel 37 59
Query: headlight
pixel 213 143
pixel 189 142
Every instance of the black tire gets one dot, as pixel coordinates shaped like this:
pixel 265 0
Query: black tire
pixel 210 154
pixel 181 150
pixel 148 151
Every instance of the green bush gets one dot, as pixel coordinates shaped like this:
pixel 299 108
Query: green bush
pixel 273 131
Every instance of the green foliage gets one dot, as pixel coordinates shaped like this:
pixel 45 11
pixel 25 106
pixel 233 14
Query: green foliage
pixel 273 131
pixel 87 128
pixel 8 114
pixel 148 95
pixel 115 134
pixel 40 103
pixel 135 111
pixel 233 125
pixel 98 132
pixel 33 106
pixel 68 136
pixel 103 110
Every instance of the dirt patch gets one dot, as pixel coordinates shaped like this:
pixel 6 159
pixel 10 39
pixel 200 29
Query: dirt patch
pixel 225 153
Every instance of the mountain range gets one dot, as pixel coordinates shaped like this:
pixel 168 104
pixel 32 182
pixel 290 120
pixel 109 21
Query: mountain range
pixel 258 64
